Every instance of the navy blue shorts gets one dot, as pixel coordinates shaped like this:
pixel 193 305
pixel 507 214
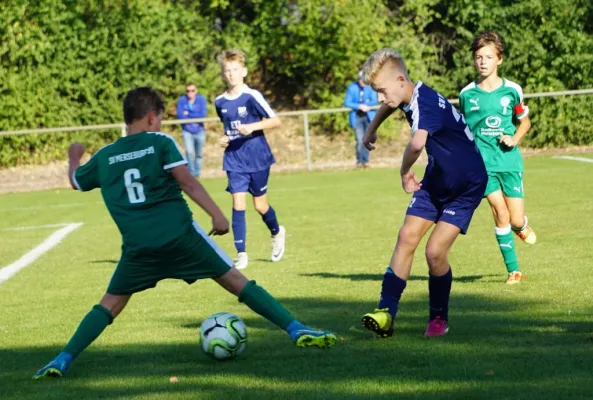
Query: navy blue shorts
pixel 456 211
pixel 255 183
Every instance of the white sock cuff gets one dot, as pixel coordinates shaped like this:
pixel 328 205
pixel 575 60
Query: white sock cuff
pixel 502 231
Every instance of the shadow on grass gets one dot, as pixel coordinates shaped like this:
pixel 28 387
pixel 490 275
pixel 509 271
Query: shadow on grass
pixel 104 262
pixel 495 349
pixel 379 277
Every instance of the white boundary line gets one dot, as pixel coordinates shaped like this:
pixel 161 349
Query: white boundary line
pixel 25 228
pixel 581 159
pixel 53 240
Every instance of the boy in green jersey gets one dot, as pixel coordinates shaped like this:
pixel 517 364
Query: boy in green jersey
pixel 141 177
pixel 494 110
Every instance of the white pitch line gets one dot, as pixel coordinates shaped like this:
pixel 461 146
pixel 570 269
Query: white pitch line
pixel 25 228
pixel 10 270
pixel 582 159
pixel 59 205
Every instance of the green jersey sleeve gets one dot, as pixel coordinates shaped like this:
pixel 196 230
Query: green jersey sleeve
pixel 171 155
pixel 86 177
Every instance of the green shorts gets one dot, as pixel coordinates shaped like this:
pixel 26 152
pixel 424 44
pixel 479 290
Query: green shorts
pixel 190 257
pixel 511 183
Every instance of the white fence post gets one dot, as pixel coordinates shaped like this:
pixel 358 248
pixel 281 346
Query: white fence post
pixel 124 130
pixel 307 144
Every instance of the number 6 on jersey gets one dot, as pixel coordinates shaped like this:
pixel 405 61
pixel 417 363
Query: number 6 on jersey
pixel 135 189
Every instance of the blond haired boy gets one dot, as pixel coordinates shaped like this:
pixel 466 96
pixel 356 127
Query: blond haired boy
pixel 446 197
pixel 245 115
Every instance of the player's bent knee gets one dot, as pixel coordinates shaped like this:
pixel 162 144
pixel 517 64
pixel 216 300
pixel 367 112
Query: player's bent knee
pixel 115 303
pixel 408 238
pixel 517 221
pixel 262 208
pixel 436 257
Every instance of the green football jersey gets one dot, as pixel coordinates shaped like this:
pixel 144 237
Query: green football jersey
pixel 139 191
pixel 490 115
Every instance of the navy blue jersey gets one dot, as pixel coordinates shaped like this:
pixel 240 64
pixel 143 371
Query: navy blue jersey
pixel 249 153
pixel 454 161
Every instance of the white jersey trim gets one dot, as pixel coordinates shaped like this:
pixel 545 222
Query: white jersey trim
pixel 213 244
pixel 471 85
pixel 414 107
pixel 175 164
pixel 75 181
pixel 515 86
pixel 257 96
pixel 262 102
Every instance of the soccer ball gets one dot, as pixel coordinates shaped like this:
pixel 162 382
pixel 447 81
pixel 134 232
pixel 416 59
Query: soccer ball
pixel 223 336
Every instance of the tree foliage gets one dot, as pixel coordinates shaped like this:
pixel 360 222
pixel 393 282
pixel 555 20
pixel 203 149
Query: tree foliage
pixel 69 62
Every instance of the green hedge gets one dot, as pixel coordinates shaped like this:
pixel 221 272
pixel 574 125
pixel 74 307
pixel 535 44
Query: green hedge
pixel 67 62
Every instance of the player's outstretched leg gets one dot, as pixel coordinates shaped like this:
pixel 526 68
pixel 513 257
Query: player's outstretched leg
pixel 92 325
pixel 263 303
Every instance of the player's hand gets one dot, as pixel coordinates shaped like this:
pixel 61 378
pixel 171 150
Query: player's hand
pixel 245 129
pixel 410 182
pixel 224 141
pixel 508 141
pixel 186 113
pixel 363 108
pixel 369 138
pixel 220 225
pixel 76 150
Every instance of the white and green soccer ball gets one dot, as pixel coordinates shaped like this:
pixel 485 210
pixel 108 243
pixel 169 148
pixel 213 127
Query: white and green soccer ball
pixel 223 336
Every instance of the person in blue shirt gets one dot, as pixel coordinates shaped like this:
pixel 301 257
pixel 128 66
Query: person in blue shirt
pixel 451 190
pixel 360 97
pixel 247 157
pixel 193 105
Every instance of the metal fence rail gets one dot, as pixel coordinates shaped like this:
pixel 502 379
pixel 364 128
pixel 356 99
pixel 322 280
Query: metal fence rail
pixel 301 113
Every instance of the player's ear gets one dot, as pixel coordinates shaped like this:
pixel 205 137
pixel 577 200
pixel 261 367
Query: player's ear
pixel 244 72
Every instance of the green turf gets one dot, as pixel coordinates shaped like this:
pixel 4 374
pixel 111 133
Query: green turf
pixel 528 341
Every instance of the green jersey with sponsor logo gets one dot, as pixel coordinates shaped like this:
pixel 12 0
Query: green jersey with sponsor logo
pixel 490 115
pixel 139 190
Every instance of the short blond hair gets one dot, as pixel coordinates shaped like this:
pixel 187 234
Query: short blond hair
pixel 230 56
pixel 377 61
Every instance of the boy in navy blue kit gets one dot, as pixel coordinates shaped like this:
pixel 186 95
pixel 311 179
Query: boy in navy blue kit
pixel 247 157
pixel 451 190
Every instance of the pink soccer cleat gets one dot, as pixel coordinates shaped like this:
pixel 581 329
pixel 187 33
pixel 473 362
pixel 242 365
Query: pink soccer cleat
pixel 437 327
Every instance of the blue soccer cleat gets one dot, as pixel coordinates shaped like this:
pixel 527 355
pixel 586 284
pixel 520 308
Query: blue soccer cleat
pixel 56 367
pixel 305 336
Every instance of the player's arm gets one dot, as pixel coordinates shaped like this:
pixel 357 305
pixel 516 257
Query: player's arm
pixel 75 152
pixel 522 129
pixel 521 111
pixel 264 124
pixel 195 190
pixel 370 136
pixel 412 152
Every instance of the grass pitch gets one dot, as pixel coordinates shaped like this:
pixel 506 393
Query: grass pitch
pixel 528 341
